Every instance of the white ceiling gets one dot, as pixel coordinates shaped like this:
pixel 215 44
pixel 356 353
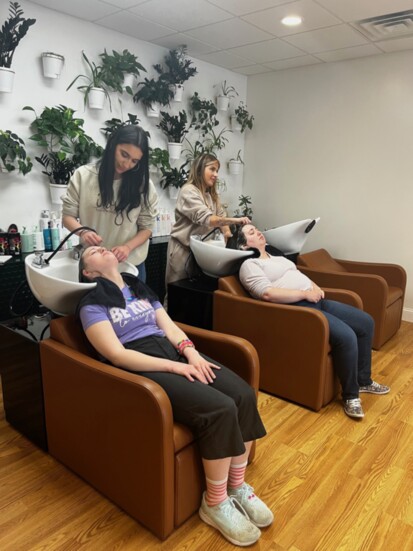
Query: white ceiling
pixel 246 36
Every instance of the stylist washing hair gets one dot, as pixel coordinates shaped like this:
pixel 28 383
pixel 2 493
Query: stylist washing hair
pixel 198 210
pixel 116 198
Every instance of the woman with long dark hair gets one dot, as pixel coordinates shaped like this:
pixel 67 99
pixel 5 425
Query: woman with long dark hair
pixel 198 210
pixel 116 198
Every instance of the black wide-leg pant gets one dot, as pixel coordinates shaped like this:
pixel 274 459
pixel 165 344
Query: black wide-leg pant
pixel 222 415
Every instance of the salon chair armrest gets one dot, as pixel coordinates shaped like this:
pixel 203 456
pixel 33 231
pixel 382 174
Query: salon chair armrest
pixel 341 295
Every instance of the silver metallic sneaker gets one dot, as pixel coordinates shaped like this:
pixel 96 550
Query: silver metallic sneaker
pixel 233 524
pixel 353 408
pixel 256 509
pixel 375 388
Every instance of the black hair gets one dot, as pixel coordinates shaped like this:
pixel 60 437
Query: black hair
pixel 135 182
pixel 239 241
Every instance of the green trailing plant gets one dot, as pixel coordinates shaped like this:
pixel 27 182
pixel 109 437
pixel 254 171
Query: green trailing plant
pixel 13 153
pixel 226 90
pixel 215 142
pixel 174 126
pixel 11 32
pixel 243 117
pixel 96 79
pixel 62 134
pixel 116 65
pixel 238 158
pixel 178 67
pixel 113 124
pixel 159 158
pixel 204 113
pixel 193 150
pixel 153 91
pixel 244 205
pixel 174 177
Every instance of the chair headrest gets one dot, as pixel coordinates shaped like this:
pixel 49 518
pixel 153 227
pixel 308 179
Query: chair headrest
pixel 231 284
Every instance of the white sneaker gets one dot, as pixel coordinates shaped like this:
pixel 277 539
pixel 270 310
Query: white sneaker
pixel 256 509
pixel 233 524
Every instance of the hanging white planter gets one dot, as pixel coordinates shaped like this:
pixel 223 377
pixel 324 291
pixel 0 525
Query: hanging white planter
pixel 173 192
pixel 222 103
pixel 57 191
pixel 174 150
pixel 6 79
pixel 153 110
pixel 96 98
pixel 128 80
pixel 235 125
pixel 178 90
pixel 234 167
pixel 52 64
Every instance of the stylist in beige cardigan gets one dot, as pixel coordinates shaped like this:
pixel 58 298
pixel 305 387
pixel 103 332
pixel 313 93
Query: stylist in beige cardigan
pixel 198 210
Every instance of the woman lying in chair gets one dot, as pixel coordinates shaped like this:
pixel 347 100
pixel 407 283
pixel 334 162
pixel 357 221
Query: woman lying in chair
pixel 129 327
pixel 276 279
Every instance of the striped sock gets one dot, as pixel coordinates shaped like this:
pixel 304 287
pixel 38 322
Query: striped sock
pixel 236 475
pixel 216 491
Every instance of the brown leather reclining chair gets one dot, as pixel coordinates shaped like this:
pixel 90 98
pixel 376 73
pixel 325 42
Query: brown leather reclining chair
pixel 292 341
pixel 115 429
pixel 381 287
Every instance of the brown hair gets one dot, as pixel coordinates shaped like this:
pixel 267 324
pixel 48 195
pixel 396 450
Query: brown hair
pixel 196 174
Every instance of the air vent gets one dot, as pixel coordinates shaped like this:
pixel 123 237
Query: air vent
pixel 391 25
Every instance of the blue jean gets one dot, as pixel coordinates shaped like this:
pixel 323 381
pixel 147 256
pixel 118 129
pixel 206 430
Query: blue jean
pixel 142 272
pixel 351 335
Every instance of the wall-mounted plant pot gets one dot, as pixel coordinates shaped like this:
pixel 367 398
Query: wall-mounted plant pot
pixel 128 80
pixel 222 103
pixel 6 79
pixel 174 150
pixel 153 110
pixel 57 191
pixel 173 192
pixel 178 90
pixel 235 125
pixel 96 98
pixel 234 167
pixel 52 64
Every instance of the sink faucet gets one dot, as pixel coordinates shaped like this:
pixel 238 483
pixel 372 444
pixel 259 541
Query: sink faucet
pixel 38 259
pixel 77 251
pixel 58 248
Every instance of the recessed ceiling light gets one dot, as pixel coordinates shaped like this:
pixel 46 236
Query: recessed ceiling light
pixel 292 20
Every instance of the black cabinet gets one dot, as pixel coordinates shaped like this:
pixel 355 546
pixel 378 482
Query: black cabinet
pixel 191 301
pixel 155 264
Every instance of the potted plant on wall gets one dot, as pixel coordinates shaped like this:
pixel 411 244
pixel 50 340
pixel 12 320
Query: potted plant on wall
pixel 114 123
pixel 241 120
pixel 96 90
pixel 174 127
pixel 153 94
pixel 173 179
pixel 67 144
pixel 235 164
pixel 13 153
pixel 52 64
pixel 11 32
pixel 204 114
pixel 226 93
pixel 244 207
pixel 120 69
pixel 214 142
pixel 158 159
pixel 178 70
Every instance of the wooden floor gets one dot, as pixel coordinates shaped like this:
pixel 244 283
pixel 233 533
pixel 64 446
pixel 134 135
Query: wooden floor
pixel 333 483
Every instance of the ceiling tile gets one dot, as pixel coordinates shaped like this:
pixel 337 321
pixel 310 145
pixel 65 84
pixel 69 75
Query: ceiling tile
pixel 194 47
pixel 395 45
pixel 331 38
pixel 253 70
pixel 349 53
pixel 132 25
pixel 230 34
pixel 241 7
pixel 352 10
pixel 90 10
pixel 181 15
pixel 293 62
pixel 123 4
pixel 224 59
pixel 270 50
pixel 314 17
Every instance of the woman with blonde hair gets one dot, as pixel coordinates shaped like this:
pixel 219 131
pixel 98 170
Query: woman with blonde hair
pixel 198 210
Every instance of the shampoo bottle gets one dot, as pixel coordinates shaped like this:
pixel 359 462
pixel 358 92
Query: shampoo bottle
pixel 47 237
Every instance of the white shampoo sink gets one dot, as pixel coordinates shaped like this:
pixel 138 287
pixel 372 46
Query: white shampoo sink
pixel 214 259
pixel 57 286
pixel 290 238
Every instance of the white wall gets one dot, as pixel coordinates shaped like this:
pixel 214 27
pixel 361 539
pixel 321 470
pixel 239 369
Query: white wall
pixel 22 198
pixel 336 141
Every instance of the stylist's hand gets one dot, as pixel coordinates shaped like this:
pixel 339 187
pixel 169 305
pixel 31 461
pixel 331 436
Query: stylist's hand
pixel 121 252
pixel 201 364
pixel 89 238
pixel 243 220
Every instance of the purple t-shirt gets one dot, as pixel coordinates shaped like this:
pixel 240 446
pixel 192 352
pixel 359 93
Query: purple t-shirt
pixel 136 321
